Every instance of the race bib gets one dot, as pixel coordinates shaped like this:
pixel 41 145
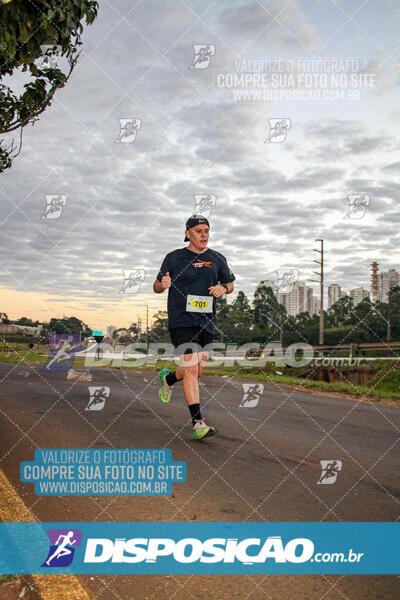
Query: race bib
pixel 203 304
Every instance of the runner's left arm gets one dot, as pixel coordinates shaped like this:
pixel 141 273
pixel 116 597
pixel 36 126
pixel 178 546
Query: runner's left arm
pixel 225 275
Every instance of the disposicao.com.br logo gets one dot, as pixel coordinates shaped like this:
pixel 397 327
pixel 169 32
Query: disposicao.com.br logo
pixel 202 547
pixel 247 551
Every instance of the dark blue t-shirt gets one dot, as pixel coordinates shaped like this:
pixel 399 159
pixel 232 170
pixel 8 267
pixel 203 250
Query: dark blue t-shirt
pixel 193 273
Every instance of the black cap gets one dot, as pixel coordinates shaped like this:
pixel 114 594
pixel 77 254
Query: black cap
pixel 193 221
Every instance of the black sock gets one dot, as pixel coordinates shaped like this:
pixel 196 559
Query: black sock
pixel 171 378
pixel 195 412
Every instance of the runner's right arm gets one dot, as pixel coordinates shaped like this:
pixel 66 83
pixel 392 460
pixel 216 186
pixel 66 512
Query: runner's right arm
pixel 163 280
pixel 161 286
pixel 157 287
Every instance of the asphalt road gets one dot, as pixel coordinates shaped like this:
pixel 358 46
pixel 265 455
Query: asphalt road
pixel 263 465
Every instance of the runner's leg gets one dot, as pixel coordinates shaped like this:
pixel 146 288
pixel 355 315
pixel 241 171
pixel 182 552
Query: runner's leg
pixel 189 370
pixel 202 361
pixel 181 337
pixel 179 373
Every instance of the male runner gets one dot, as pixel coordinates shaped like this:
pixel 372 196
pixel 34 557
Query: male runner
pixel 193 275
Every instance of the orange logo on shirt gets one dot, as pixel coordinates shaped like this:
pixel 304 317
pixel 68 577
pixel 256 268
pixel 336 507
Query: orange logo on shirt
pixel 202 263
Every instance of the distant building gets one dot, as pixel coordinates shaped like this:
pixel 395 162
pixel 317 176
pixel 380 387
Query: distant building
pixel 387 281
pixel 10 328
pixel 110 330
pixel 300 299
pixel 283 299
pixel 358 295
pixel 267 283
pixel 316 306
pixel 333 294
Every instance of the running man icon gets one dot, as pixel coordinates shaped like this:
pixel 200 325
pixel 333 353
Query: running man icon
pixel 54 206
pixel 330 470
pixel 61 550
pixel 98 396
pixel 203 54
pixel 62 351
pixel 251 394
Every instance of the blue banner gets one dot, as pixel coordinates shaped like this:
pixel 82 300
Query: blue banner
pixel 98 472
pixel 214 548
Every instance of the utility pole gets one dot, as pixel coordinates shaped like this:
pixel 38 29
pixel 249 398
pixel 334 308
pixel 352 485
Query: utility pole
pixel 321 290
pixel 389 323
pixel 147 328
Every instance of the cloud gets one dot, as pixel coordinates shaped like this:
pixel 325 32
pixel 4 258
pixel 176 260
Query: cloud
pixel 392 168
pixel 284 28
pixel 127 203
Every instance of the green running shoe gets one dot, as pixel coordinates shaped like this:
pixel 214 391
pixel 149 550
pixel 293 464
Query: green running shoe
pixel 201 430
pixel 164 393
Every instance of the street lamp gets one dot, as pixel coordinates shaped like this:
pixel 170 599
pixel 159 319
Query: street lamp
pixel 321 289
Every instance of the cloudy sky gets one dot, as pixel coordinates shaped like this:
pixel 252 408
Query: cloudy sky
pixel 127 203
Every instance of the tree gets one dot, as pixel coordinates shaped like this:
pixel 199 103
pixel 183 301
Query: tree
pixel 69 325
pixel 342 312
pixel 234 321
pixel 122 336
pixel 303 320
pixel 363 313
pixel 240 311
pixel 395 311
pixel 380 316
pixel 26 322
pixel 269 315
pixel 159 330
pixel 133 329
pixel 29 30
pixel 223 326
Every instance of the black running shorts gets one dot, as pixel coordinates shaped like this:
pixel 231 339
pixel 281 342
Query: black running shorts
pixel 188 340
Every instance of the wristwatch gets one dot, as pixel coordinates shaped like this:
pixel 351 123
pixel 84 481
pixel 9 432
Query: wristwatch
pixel 225 286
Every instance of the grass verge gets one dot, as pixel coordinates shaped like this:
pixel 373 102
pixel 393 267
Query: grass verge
pixel 7 578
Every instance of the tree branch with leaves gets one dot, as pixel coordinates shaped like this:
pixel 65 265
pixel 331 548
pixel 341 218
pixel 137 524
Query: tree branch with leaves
pixel 29 31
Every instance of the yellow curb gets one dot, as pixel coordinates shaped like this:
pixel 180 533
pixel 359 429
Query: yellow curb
pixel 50 587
